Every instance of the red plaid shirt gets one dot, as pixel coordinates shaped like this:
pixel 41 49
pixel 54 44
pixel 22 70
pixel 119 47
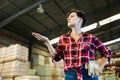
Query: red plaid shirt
pixel 76 54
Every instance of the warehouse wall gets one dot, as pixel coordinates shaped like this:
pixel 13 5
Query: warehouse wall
pixel 7 38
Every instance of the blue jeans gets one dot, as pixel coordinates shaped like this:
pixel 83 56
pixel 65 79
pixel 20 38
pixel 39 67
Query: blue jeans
pixel 72 75
pixel 84 72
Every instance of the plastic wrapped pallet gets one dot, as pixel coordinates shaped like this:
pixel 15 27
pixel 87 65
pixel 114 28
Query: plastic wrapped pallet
pixel 27 78
pixel 14 68
pixel 44 70
pixel 16 51
pixel 38 59
pixel 2 53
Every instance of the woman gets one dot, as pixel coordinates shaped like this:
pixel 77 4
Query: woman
pixel 77 50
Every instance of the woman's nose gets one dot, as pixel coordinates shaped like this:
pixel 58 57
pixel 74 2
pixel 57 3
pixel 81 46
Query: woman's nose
pixel 68 18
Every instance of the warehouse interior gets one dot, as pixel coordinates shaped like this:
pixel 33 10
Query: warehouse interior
pixel 19 18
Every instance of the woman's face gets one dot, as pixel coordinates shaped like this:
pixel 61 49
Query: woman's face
pixel 72 19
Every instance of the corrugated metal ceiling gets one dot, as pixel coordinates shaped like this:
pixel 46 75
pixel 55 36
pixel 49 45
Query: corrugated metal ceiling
pixel 21 17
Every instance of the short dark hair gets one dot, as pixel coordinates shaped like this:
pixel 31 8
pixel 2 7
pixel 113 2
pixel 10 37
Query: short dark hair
pixel 80 13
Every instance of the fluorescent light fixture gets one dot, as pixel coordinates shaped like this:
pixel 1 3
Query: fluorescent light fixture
pixel 112 41
pixel 93 26
pixel 110 19
pixel 89 27
pixel 55 40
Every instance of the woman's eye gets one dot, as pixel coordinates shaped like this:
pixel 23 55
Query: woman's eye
pixel 72 16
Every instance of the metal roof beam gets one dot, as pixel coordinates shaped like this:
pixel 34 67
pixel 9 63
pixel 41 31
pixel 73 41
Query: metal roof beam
pixel 93 7
pixel 52 18
pixel 10 19
pixel 30 16
pixel 76 4
pixel 59 7
pixel 63 28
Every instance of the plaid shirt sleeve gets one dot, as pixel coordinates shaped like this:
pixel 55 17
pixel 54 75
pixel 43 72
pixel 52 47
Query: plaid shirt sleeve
pixel 104 51
pixel 59 50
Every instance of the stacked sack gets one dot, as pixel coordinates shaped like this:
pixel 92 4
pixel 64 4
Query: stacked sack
pixel 2 54
pixel 14 61
pixel 43 67
pixel 14 68
pixel 27 78
pixel 16 52
pixel 1 68
pixel 58 71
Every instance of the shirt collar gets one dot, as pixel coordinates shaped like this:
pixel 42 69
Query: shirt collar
pixel 68 34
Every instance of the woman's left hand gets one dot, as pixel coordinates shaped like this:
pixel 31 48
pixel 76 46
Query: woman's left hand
pixel 93 68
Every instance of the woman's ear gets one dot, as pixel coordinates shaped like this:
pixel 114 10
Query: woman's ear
pixel 80 20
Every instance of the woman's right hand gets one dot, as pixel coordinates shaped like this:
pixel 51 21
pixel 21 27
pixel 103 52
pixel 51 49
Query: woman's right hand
pixel 40 37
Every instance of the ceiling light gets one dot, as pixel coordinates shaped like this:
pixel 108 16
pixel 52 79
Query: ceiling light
pixel 109 19
pixel 89 27
pixel 40 9
pixel 112 41
pixel 55 40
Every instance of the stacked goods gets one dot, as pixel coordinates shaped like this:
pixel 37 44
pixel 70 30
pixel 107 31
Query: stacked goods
pixel 59 64
pixel 46 78
pixel 14 58
pixel 16 51
pixel 110 77
pixel 118 53
pixel 58 78
pixel 110 74
pixel 49 61
pixel 44 71
pixel 57 74
pixel 30 72
pixel 27 78
pixel 2 52
pixel 117 60
pixel 14 68
pixel 1 68
pixel 38 59
pixel 28 64
pixel 7 79
pixel 101 76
